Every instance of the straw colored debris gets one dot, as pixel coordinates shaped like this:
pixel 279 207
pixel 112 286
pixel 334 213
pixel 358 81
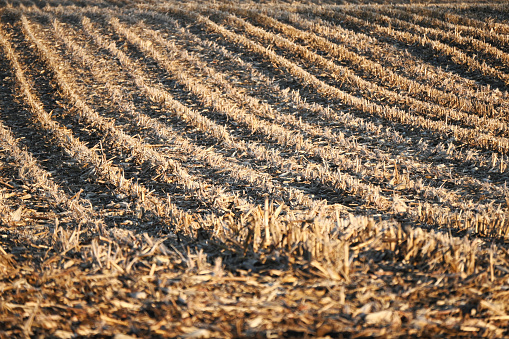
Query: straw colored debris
pixel 231 169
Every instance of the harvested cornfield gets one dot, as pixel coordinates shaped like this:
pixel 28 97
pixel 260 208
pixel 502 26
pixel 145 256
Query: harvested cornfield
pixel 244 169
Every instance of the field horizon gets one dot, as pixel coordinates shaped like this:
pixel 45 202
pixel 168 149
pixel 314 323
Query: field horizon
pixel 231 169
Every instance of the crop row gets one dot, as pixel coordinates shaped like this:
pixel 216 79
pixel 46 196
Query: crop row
pixel 264 132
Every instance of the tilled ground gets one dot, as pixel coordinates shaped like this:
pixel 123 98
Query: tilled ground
pixel 253 170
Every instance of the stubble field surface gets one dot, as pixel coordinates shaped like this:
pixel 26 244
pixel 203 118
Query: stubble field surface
pixel 224 169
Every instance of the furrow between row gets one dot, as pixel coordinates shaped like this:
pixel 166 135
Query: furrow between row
pixel 409 38
pixel 317 34
pixel 459 25
pixel 443 215
pixel 408 22
pixel 336 157
pixel 29 170
pixel 217 161
pixel 350 122
pixel 119 138
pixel 464 134
pixel 79 151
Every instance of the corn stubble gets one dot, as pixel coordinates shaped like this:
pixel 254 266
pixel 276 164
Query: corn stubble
pixel 253 170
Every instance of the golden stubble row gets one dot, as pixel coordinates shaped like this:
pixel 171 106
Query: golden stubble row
pixel 149 46
pixel 223 77
pixel 321 37
pixel 470 135
pixel 348 121
pixel 347 118
pixel 77 149
pixel 445 86
pixel 89 158
pixel 456 55
pixel 480 96
pixel 32 173
pixel 318 233
pixel 229 108
pixel 460 25
pixel 270 236
pixel 28 168
pixel 407 22
pixel 236 170
pixel 168 170
pixel 346 145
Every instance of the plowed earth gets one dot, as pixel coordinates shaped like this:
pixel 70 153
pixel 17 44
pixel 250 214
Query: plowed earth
pixel 251 169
